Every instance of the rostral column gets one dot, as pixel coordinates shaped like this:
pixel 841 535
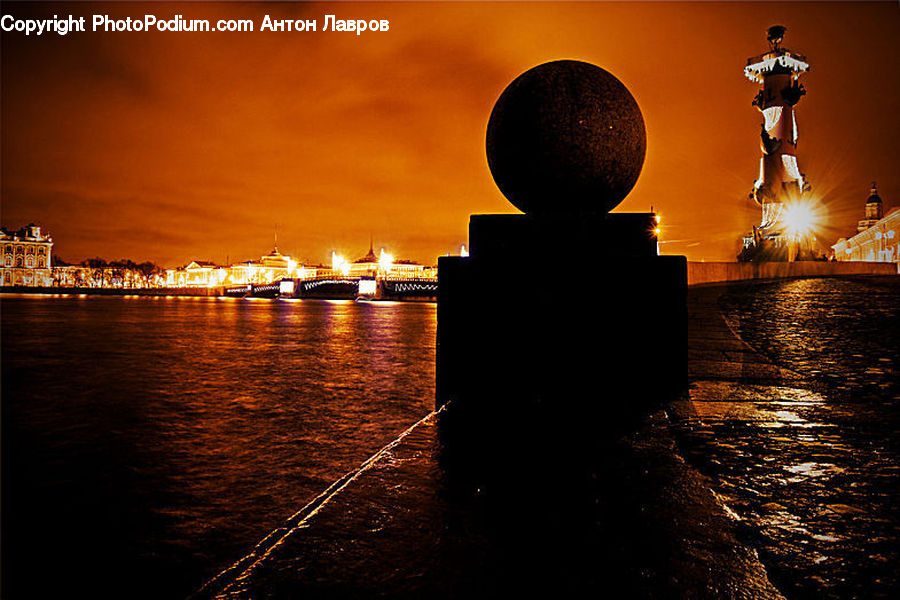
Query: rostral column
pixel 780 181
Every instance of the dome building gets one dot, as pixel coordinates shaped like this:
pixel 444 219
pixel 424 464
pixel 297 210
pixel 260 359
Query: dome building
pixel 877 235
pixel 874 210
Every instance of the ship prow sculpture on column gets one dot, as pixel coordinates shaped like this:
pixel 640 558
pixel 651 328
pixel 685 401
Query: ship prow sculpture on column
pixel 563 325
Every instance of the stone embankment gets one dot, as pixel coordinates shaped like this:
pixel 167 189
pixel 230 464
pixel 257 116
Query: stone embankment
pixel 721 272
pixel 79 291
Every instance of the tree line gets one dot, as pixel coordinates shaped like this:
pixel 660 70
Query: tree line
pixel 97 272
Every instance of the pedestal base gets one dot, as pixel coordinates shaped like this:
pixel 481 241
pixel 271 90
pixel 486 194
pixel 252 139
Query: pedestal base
pixel 583 315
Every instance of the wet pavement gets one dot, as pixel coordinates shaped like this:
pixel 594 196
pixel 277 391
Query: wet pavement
pixel 805 459
pixel 402 530
pixel 763 481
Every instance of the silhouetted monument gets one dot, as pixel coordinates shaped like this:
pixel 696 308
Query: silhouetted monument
pixel 564 325
pixel 566 137
pixel 780 187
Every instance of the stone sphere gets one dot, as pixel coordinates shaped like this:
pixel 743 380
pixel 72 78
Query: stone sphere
pixel 566 137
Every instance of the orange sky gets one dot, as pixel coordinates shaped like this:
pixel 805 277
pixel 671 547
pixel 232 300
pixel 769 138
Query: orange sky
pixel 172 147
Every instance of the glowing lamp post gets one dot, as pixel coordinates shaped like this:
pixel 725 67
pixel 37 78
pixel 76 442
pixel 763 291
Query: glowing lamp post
pixel 385 263
pixel 339 265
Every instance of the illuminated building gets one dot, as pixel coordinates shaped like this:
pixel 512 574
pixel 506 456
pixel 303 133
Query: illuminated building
pixel 407 269
pixel 197 274
pixel 874 210
pixel 877 237
pixel 368 265
pixel 780 188
pixel 26 257
pixel 382 266
pixel 268 269
pixel 275 266
pixel 113 275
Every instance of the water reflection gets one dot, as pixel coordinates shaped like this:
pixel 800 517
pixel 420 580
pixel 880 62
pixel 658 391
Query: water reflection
pixel 159 437
pixel 840 332
pixel 814 494
pixel 811 470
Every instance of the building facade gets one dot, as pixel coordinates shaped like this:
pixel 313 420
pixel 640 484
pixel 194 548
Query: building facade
pixel 381 266
pixel 877 235
pixel 268 269
pixel 26 257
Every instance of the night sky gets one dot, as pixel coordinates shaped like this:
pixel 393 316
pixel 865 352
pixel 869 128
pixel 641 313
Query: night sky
pixel 178 146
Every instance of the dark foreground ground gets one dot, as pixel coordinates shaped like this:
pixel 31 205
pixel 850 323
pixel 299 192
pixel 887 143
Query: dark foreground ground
pixel 806 459
pixel 658 532
pixel 403 527
pixel 759 481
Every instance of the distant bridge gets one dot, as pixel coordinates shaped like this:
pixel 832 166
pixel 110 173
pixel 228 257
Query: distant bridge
pixel 337 287
pixel 322 287
pixel 404 289
pixel 250 290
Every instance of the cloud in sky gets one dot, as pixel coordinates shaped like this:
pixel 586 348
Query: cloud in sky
pixel 171 147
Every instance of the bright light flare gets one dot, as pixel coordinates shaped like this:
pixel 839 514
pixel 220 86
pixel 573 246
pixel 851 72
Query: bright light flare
pixel 339 264
pixel 367 287
pixel 386 261
pixel 286 287
pixel 800 218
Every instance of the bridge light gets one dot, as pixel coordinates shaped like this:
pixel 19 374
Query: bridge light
pixel 367 287
pixel 463 251
pixel 286 287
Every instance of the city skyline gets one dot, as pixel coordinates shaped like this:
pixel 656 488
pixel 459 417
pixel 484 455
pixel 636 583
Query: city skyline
pixel 174 147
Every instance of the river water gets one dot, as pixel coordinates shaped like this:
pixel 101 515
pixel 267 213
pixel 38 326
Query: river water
pixel 149 442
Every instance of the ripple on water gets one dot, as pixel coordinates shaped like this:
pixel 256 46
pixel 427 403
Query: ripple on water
pixel 157 438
